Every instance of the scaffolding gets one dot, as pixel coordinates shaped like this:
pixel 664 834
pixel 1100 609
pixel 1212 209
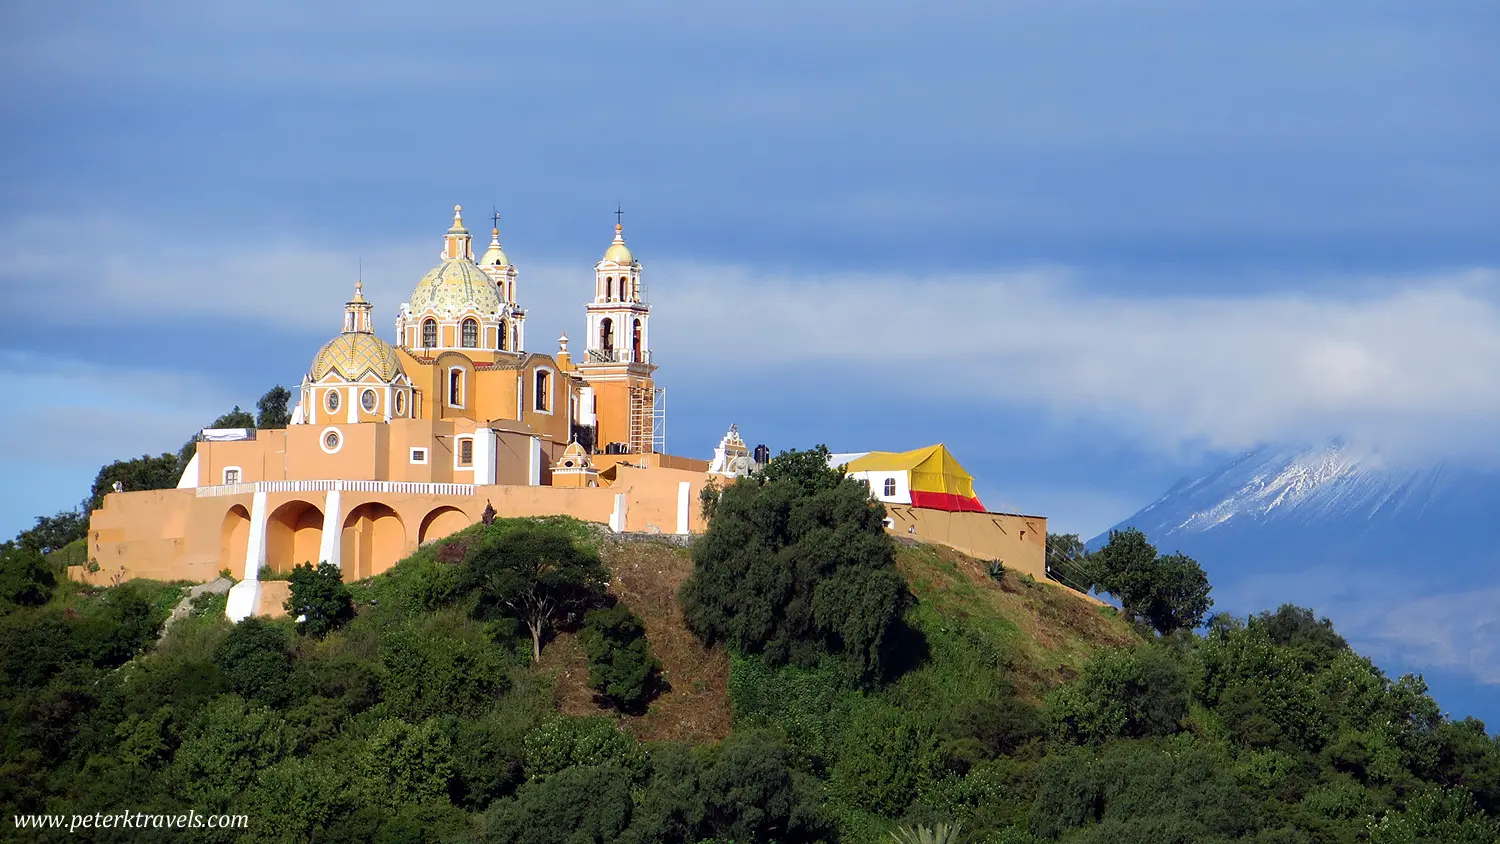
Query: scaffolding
pixel 648 420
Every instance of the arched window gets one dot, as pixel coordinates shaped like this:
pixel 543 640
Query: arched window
pixel 890 487
pixel 609 289
pixel 635 341
pixel 456 387
pixel 543 390
pixel 607 335
pixel 504 346
pixel 429 333
pixel 471 333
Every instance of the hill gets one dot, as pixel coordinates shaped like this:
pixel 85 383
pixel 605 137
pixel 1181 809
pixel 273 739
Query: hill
pixel 1012 707
pixel 1403 557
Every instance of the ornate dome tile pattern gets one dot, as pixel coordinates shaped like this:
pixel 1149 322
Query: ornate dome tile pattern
pixel 353 354
pixel 454 287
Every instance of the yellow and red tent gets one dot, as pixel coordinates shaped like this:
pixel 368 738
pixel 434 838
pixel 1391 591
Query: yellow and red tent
pixel 936 479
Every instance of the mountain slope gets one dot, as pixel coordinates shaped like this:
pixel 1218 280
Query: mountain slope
pixel 1406 560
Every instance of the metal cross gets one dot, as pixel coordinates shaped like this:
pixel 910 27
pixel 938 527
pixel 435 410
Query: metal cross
pixel 619 215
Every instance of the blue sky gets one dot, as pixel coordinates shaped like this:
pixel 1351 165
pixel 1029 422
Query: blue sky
pixel 1092 246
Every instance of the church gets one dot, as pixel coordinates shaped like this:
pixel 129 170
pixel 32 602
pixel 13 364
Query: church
pixel 394 445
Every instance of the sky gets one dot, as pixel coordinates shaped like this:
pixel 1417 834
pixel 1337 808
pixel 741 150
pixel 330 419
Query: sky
pixel 1094 247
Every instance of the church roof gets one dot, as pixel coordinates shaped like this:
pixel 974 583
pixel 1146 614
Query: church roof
pixel 353 354
pixel 618 252
pixel 454 287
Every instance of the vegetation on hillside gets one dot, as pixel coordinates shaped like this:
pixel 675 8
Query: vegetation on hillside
pixel 880 691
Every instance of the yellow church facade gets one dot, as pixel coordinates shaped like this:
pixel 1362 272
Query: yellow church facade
pixel 394 445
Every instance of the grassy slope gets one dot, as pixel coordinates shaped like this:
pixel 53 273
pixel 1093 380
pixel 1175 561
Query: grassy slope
pixel 1034 634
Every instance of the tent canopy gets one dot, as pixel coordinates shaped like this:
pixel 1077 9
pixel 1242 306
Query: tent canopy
pixel 937 480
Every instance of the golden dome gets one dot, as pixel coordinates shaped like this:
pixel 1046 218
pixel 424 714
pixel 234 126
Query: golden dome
pixel 494 256
pixel 353 354
pixel 455 287
pixel 618 251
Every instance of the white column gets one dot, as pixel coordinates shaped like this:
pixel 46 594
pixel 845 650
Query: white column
pixel 535 478
pixel 388 397
pixel 331 548
pixel 617 518
pixel 244 596
pixel 312 406
pixel 684 502
pixel 255 548
pixel 484 456
pixel 353 404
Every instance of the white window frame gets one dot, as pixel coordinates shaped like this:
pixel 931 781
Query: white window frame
pixel 333 401
pixel 458 452
pixel 369 391
pixel 239 475
pixel 551 390
pixel 463 387
pixel 890 487
pixel 418 450
pixel 323 440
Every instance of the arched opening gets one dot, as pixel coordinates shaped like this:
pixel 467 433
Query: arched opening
pixel 609 289
pixel 294 535
pixel 635 342
pixel 373 540
pixel 470 338
pixel 504 346
pixel 543 390
pixel 444 521
pixel 429 333
pixel 234 540
pixel 456 387
pixel 607 335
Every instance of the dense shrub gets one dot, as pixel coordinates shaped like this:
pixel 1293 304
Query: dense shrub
pixel 319 600
pixel 1121 694
pixel 621 667
pixel 796 564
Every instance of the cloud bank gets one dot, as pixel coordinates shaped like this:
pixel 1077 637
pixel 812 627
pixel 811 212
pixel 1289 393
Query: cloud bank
pixel 1411 367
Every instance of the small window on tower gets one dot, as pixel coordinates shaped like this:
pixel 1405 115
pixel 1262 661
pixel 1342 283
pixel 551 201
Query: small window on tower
pixel 471 333
pixel 890 487
pixel 466 452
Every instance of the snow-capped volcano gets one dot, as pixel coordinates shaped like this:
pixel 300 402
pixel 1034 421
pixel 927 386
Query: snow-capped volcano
pixel 1405 560
pixel 1297 486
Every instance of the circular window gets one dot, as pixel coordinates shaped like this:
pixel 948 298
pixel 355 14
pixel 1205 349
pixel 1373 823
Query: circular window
pixel 368 401
pixel 331 401
pixel 401 404
pixel 331 440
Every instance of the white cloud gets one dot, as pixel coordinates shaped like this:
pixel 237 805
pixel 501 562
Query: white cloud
pixel 1413 366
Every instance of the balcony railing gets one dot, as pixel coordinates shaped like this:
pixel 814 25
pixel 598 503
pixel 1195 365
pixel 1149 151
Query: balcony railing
pixel 618 356
pixel 394 487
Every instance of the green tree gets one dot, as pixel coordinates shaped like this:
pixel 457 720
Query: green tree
pixel 536 574
pixel 589 804
pixel 621 667
pixel 145 472
pixel 1066 555
pixel 231 744
pixel 888 756
pixel 51 533
pixel 1121 694
pixel 751 793
pixel 565 742
pixel 429 674
pixel 256 660
pixel 406 763
pixel 25 578
pixel 320 602
pixel 1437 817
pixel 1168 592
pixel 271 410
pixel 796 564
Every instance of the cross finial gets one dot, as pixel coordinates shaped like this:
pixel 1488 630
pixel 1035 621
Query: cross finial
pixel 619 215
pixel 495 217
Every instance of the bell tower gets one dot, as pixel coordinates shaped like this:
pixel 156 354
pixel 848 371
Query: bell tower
pixel 616 363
